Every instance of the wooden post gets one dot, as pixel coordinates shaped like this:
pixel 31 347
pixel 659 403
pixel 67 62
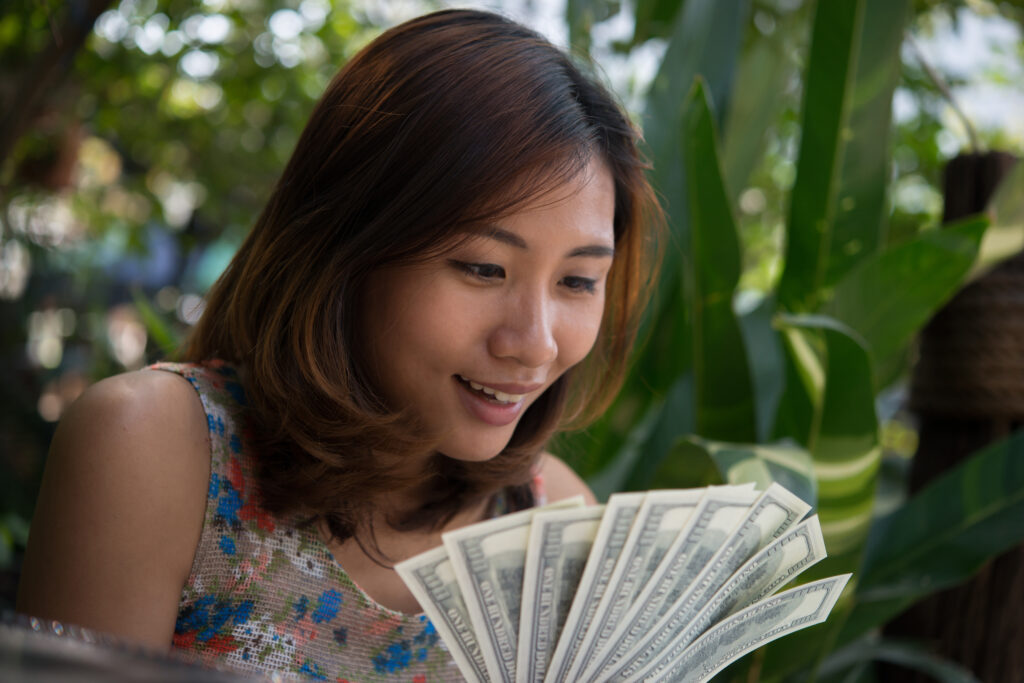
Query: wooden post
pixel 967 392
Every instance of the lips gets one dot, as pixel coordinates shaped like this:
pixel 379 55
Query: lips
pixel 497 404
pixel 500 392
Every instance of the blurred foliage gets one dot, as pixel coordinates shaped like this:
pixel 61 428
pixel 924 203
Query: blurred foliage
pixel 155 144
pixel 783 369
pixel 148 156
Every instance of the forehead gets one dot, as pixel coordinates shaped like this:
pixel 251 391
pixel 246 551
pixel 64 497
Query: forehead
pixel 581 207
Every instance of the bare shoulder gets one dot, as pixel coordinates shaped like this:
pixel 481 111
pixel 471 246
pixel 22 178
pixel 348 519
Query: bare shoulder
pixel 136 402
pixel 560 481
pixel 120 509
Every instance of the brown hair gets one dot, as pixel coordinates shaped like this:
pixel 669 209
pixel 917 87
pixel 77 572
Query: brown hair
pixel 441 124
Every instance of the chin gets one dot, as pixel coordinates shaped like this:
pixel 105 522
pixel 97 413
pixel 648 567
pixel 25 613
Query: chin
pixel 476 452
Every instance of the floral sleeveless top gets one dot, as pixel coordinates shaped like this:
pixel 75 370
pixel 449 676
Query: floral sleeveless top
pixel 265 594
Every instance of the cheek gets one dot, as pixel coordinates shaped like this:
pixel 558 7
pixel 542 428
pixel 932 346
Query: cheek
pixel 580 334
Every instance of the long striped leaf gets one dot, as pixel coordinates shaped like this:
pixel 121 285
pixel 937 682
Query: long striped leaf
pixel 723 389
pixel 842 434
pixel 836 420
pixel 861 214
pixel 799 408
pixel 755 105
pixel 762 464
pixel 765 356
pixel 705 41
pixel 942 535
pixel 909 655
pixel 827 100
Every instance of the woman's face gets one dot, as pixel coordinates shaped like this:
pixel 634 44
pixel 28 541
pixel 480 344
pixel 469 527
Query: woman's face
pixel 470 339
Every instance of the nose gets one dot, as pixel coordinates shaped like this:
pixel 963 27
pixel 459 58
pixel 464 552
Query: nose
pixel 526 331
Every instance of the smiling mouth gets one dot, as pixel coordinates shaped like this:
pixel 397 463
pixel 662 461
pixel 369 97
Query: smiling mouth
pixel 489 394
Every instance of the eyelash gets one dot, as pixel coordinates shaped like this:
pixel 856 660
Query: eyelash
pixel 490 271
pixel 482 271
pixel 584 285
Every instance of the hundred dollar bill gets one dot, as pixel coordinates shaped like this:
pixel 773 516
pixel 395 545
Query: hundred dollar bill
pixel 712 522
pixel 771 568
pixel 619 514
pixel 771 515
pixel 764 573
pixel 488 561
pixel 432 581
pixel 560 541
pixel 747 630
pixel 659 521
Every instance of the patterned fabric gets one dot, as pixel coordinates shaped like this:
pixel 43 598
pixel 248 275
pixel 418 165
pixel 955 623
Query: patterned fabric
pixel 266 595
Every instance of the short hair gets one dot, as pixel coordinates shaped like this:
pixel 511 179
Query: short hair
pixel 440 125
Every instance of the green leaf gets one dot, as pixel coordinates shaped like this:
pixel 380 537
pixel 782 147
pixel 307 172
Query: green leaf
pixel 755 104
pixel 827 100
pixel 910 655
pixel 859 228
pixel 787 464
pixel 765 357
pixel 799 406
pixel 842 432
pixel 654 19
pixel 847 451
pixel 889 297
pixel 667 352
pixel 675 419
pixel 158 329
pixel 688 467
pixel 648 443
pixel 723 389
pixel 659 383
pixel 942 535
pixel 705 41
pixel 1005 237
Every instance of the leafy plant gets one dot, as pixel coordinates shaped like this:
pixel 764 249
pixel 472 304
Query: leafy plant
pixel 787 390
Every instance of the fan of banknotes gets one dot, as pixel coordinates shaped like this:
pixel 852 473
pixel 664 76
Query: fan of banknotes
pixel 668 585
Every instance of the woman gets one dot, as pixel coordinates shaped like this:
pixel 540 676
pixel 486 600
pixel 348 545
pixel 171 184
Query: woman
pixel 450 269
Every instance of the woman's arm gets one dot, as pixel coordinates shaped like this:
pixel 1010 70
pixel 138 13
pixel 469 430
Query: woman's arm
pixel 560 481
pixel 121 509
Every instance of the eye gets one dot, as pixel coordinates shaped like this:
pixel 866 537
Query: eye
pixel 481 271
pixel 583 285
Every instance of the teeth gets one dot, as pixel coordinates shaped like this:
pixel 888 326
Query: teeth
pixel 498 395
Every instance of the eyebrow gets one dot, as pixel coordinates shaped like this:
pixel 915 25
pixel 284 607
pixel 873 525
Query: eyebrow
pixel 512 239
pixel 592 251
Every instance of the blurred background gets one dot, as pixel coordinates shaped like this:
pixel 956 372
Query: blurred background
pixel 842 288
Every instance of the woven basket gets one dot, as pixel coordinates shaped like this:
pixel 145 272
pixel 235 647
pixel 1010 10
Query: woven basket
pixel 971 360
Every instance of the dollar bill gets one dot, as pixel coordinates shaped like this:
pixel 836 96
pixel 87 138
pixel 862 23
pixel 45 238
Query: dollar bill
pixel 432 581
pixel 772 514
pixel 669 585
pixel 620 512
pixel 658 523
pixel 718 513
pixel 560 541
pixel 763 574
pixel 771 568
pixel 488 560
pixel 748 629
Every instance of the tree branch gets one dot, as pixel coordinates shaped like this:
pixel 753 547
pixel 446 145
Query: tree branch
pixel 48 69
